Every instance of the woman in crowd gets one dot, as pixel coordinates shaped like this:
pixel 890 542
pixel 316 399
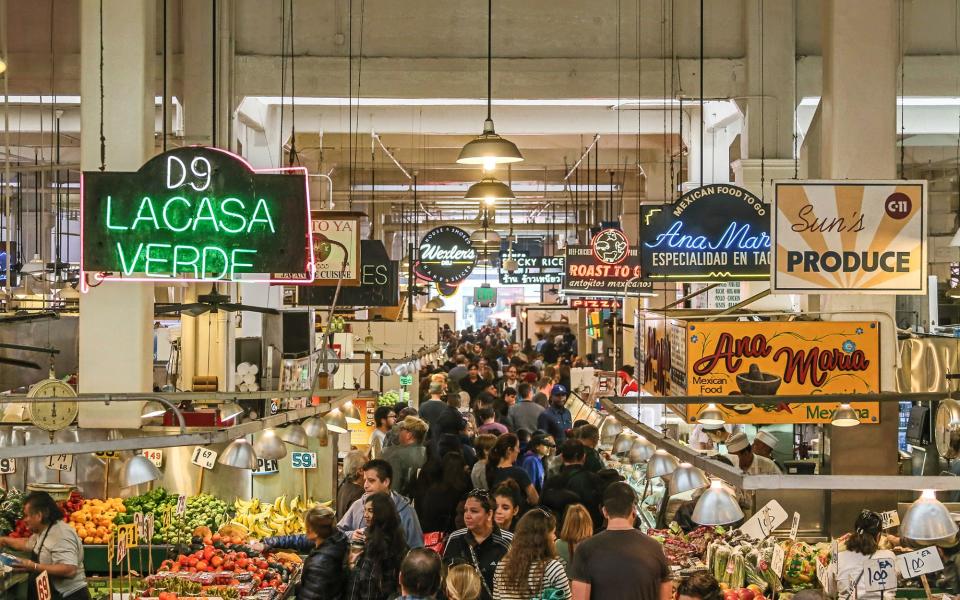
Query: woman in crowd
pixel 501 465
pixel 507 500
pixel 531 568
pixel 351 484
pixel 437 506
pixel 862 546
pixel 483 444
pixel 324 577
pixel 377 568
pixel 54 547
pixel 463 583
pixel 577 526
pixel 481 544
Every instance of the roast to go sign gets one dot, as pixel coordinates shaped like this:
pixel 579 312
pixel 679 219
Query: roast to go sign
pixel 201 213
pixel 850 237
pixel 712 233
pixel 446 255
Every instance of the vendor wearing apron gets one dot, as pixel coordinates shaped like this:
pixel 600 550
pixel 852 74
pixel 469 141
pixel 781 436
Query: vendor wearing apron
pixel 54 547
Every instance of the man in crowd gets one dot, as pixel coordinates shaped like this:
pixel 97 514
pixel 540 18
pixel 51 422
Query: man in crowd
pixel 420 576
pixel 556 418
pixel 590 437
pixel 504 402
pixel 431 410
pixel 407 457
pixel 574 484
pixel 377 477
pixel 473 384
pixel 598 572
pixel 458 372
pixel 384 417
pixel 509 380
pixel 525 413
pixel 539 447
pixel 750 463
pixel 488 418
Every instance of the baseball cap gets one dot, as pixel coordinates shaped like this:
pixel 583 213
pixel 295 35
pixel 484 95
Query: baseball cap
pixel 559 390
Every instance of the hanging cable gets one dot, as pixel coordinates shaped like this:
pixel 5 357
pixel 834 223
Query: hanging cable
pixel 901 52
pixel 103 139
pixel 163 111
pixel 355 148
pixel 213 73
pixel 702 114
pixel 294 156
pixel 796 113
pixel 283 73
pixel 763 106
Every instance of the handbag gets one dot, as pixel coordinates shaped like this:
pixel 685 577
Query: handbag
pixel 436 541
pixel 548 593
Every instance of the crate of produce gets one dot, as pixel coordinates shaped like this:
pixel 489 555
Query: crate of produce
pixel 95 558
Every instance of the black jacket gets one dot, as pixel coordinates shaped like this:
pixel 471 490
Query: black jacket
pixel 324 571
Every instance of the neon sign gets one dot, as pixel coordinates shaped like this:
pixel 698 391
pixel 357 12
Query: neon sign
pixel 712 233
pixel 198 214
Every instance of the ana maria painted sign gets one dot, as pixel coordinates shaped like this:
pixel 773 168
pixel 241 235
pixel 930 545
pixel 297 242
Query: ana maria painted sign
pixel 196 213
pixel 716 232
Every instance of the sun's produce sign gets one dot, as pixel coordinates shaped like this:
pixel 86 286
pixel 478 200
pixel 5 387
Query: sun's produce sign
pixel 196 213
pixel 728 360
pixel 851 237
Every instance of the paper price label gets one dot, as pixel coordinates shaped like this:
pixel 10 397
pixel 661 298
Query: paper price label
pixel 154 456
pixel 181 504
pixel 43 587
pixel 880 574
pixel 60 462
pixel 149 526
pixel 921 562
pixel 8 466
pixel 203 457
pixel 765 520
pixel 795 526
pixel 107 455
pixel 889 519
pixel 141 525
pixel 303 460
pixel 121 548
pixel 776 562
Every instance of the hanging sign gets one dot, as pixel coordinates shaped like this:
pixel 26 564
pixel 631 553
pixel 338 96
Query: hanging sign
pixel 920 562
pixel 595 303
pixel 889 519
pixel 201 213
pixel 764 521
pixel 360 432
pixel 852 237
pixel 155 456
pixel 485 296
pixel 336 249
pixel 661 355
pixel 712 233
pixel 379 282
pixel 60 462
pixel 586 274
pixel 8 466
pixel 406 380
pixel 203 457
pixel 790 358
pixel 532 270
pixel 446 255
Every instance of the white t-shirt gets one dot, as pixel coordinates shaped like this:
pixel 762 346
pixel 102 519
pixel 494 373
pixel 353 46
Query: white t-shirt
pixel 850 568
pixel 378 435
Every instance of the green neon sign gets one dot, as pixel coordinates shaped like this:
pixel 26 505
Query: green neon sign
pixel 198 213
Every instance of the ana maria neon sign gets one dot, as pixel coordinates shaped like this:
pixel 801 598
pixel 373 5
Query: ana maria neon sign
pixel 198 214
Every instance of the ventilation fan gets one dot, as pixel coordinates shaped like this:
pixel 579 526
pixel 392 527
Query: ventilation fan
pixel 213 302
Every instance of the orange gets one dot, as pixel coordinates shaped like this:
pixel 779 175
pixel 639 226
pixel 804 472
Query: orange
pixel 88 540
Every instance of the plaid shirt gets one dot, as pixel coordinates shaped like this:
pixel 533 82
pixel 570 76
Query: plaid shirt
pixel 375 580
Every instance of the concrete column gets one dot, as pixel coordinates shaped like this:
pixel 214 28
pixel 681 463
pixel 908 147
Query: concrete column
pixel 116 333
pixel 858 137
pixel 197 69
pixel 715 150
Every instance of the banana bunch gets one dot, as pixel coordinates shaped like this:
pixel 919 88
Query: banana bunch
pixel 264 519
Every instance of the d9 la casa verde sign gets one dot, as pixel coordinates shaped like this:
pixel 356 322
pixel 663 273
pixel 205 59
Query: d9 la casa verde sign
pixel 736 359
pixel 201 213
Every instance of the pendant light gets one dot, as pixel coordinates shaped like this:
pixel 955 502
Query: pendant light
pixel 686 478
pixel 295 435
pixel 489 149
pixel 151 409
pixel 335 420
pixel 138 470
pixel 350 412
pixel 661 464
pixel 316 427
pixel 230 410
pixel 711 415
pixel 488 190
pixel 928 521
pixel 239 454
pixel 717 506
pixel 609 430
pixel 845 416
pixel 384 370
pixel 641 451
pixel 269 446
pixel 623 442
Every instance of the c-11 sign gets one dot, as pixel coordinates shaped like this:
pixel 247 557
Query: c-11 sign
pixel 201 213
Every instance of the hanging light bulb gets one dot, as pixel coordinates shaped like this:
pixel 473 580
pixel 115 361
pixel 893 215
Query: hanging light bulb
pixel 845 416
pixel 717 506
pixel 488 191
pixel 928 521
pixel 711 415
pixel 384 370
pixel 239 454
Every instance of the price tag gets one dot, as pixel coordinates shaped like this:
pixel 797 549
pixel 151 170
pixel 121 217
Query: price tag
pixel 60 462
pixel 121 548
pixel 889 519
pixel 406 380
pixel 8 466
pixel 921 562
pixel 149 526
pixel 267 466
pixel 110 547
pixel 765 520
pixel 776 562
pixel 167 515
pixel 43 587
pixel 154 456
pixel 795 526
pixel 203 457
pixel 274 406
pixel 303 460
pixel 140 524
pixel 880 574
pixel 181 504
pixel 107 455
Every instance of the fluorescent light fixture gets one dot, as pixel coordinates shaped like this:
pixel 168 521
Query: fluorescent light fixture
pixel 903 101
pixel 463 187
pixel 65 100
pixel 601 102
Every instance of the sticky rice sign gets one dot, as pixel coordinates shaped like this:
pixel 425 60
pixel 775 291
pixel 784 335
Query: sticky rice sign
pixel 732 360
pixel 850 237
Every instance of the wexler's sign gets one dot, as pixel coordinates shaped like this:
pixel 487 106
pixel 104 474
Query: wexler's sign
pixel 200 213
pixel 446 255
pixel 713 233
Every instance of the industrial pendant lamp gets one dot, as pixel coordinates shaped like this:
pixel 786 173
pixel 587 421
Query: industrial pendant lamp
pixel 151 409
pixel 711 415
pixel 138 470
pixel 230 410
pixel 609 430
pixel 717 506
pixel 269 446
pixel 623 443
pixel 661 464
pixel 316 428
pixel 239 454
pixel 928 521
pixel 488 190
pixel 350 412
pixel 641 451
pixel 335 420
pixel 295 435
pixel 488 148
pixel 384 370
pixel 687 477
pixel 845 416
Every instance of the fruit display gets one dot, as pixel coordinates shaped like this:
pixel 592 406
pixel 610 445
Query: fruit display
pixel 68 507
pixel 388 398
pixel 203 510
pixel 11 510
pixel 93 521
pixel 739 562
pixel 751 592
pixel 265 519
pixel 685 550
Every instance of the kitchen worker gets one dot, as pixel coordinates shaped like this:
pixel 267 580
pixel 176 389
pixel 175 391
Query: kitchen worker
pixel 764 444
pixel 706 438
pixel 750 463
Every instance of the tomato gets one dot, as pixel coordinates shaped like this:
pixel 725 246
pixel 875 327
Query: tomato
pixel 243 562
pixel 207 552
pixel 242 554
pixel 183 559
pixel 263 564
pixel 192 561
pixel 202 565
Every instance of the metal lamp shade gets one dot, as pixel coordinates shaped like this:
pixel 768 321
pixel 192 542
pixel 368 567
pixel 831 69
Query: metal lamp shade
pixel 295 435
pixel 489 190
pixel 151 409
pixel 336 421
pixel 239 454
pixel 661 464
pixel 384 370
pixel 315 427
pixel 717 506
pixel 609 430
pixel 641 451
pixel 269 445
pixel 624 442
pixel 845 417
pixel 230 410
pixel 402 370
pixel 928 521
pixel 711 415
pixel 138 470
pixel 489 149
pixel 687 477
pixel 351 413
pixel 435 303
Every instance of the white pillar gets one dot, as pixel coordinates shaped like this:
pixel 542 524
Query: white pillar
pixel 116 319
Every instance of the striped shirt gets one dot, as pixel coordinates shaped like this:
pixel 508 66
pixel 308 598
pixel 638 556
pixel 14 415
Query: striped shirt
pixel 553 577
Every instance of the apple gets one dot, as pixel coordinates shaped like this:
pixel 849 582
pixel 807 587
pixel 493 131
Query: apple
pixel 746 594
pixel 731 595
